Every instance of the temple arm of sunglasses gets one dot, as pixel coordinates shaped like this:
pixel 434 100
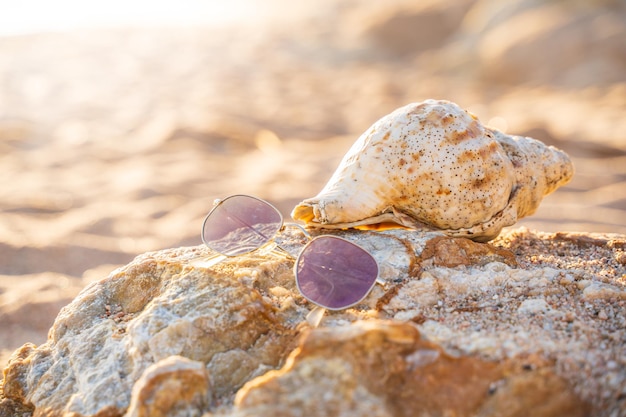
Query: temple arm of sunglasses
pixel 208 261
pixel 315 316
pixel 213 259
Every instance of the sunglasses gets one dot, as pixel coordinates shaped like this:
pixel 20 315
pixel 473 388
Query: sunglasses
pixel 331 272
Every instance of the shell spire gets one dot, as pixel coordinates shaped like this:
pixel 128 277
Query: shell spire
pixel 434 165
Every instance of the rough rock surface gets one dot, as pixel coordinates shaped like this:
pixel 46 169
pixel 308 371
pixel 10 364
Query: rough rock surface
pixel 530 324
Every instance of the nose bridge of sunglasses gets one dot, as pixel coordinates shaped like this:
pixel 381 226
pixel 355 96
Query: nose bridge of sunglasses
pixel 281 247
pixel 299 227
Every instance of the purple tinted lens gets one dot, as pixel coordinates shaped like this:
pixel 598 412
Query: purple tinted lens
pixel 240 224
pixel 335 273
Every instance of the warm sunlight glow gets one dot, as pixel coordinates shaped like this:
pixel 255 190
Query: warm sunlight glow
pixel 29 16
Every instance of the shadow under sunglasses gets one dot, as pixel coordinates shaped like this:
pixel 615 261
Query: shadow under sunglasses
pixel 331 272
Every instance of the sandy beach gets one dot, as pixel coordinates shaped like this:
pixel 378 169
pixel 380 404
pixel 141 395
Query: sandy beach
pixel 114 142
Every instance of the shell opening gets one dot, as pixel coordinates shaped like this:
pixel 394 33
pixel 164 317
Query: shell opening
pixel 303 213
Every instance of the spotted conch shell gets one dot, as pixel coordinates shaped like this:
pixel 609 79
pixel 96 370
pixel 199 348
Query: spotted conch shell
pixel 434 165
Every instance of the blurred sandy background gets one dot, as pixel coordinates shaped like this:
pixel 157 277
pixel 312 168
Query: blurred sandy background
pixel 120 123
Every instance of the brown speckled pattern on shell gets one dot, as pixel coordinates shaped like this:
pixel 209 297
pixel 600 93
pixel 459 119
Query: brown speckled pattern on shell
pixel 434 165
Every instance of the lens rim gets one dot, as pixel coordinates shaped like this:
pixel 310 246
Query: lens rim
pixel 221 201
pixel 369 290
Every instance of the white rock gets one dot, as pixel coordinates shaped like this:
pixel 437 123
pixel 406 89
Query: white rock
pixel 533 306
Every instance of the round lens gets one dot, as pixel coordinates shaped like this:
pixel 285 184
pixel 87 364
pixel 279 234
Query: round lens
pixel 240 224
pixel 335 273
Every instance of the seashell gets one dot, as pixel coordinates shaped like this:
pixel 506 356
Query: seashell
pixel 434 165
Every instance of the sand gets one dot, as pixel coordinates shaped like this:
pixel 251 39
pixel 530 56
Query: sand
pixel 116 142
